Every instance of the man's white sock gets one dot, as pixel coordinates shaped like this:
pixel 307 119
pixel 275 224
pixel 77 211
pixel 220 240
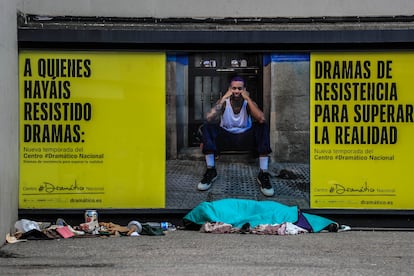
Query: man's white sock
pixel 264 162
pixel 210 160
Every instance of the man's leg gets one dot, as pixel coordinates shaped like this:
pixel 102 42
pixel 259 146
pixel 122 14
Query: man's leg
pixel 210 132
pixel 262 138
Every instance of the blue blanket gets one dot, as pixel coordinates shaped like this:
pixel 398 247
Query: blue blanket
pixel 237 212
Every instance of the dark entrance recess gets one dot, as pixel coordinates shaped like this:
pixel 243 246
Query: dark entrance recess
pixel 209 76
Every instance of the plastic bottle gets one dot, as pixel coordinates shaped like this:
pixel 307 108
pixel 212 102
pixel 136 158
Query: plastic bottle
pixel 164 225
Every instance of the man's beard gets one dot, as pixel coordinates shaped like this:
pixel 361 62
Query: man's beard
pixel 236 98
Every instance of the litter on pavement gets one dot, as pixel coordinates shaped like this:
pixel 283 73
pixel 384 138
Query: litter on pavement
pixel 222 216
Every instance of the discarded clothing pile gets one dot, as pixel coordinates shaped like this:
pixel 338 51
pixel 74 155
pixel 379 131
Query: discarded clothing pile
pixel 256 217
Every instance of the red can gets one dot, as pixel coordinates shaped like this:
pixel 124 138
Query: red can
pixel 91 215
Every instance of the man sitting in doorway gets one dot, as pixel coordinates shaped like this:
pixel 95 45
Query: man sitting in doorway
pixel 237 123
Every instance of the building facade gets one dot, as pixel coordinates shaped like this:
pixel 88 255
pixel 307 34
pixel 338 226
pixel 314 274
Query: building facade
pixel 205 43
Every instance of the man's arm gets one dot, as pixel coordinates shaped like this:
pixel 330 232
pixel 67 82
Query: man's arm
pixel 216 111
pixel 255 111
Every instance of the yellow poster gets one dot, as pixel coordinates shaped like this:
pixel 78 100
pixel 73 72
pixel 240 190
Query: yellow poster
pixel 92 129
pixel 362 128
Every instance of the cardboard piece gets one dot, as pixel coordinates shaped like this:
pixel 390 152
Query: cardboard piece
pixel 65 232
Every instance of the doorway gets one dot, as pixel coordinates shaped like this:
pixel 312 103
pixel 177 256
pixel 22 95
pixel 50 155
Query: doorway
pixel 209 76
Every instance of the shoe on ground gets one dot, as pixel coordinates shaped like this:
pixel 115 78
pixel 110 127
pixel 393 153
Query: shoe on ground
pixel 209 177
pixel 265 185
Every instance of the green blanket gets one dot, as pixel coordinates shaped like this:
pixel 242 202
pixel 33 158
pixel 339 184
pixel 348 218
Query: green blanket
pixel 237 212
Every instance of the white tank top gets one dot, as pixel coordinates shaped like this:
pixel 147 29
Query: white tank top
pixel 236 123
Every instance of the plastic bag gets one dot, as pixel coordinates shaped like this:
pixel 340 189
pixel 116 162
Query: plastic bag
pixel 25 225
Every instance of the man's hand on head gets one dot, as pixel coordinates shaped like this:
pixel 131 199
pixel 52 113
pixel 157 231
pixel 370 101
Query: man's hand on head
pixel 245 94
pixel 228 94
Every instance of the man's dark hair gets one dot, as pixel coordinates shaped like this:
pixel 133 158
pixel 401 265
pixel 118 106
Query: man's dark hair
pixel 237 78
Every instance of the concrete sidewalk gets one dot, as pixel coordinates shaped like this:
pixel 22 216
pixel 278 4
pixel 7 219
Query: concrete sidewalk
pixel 193 253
